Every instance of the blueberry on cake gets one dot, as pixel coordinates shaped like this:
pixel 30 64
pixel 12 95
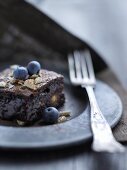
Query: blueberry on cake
pixel 26 91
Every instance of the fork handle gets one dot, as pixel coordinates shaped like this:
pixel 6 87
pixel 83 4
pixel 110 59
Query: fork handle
pixel 103 139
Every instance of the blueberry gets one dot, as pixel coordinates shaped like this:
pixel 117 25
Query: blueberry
pixel 33 67
pixel 50 115
pixel 20 73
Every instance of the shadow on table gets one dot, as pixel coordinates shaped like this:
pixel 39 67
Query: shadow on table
pixel 80 155
pixel 35 156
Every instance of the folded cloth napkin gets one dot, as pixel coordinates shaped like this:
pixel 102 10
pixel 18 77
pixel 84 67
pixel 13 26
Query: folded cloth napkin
pixel 102 24
pixel 46 31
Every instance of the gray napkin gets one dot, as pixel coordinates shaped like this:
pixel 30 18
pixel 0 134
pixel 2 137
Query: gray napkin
pixel 102 24
pixel 37 25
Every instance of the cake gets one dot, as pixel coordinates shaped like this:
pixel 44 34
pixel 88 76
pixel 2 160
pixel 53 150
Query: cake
pixel 25 100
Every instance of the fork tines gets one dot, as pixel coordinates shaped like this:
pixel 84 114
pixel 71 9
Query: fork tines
pixel 81 68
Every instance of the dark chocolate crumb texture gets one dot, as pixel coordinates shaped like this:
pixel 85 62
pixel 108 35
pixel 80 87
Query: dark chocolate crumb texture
pixel 25 99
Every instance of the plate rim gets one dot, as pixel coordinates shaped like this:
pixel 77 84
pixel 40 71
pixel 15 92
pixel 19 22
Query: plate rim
pixel 63 143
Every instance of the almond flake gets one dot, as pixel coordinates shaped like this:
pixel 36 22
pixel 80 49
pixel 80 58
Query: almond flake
pixel 20 82
pixel 38 80
pixel 8 79
pixel 34 76
pixel 13 81
pixel 20 123
pixel 29 83
pixel 2 84
pixel 62 119
pixel 13 67
pixel 10 86
pixel 54 99
pixel 65 113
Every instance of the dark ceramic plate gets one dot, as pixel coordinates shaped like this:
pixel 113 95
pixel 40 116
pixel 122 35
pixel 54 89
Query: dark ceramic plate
pixel 76 129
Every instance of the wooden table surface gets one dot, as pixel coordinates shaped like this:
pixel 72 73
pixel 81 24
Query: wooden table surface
pixel 79 157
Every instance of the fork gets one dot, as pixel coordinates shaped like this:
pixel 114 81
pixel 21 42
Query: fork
pixel 82 73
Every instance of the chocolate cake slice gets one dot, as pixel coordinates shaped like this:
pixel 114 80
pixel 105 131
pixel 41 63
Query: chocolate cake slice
pixel 25 99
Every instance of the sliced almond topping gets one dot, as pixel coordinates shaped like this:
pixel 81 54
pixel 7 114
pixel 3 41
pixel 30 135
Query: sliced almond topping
pixel 65 113
pixel 20 82
pixel 10 86
pixel 34 76
pixel 13 66
pixel 38 80
pixel 20 123
pixel 62 119
pixel 2 84
pixel 54 99
pixel 13 81
pixel 29 83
